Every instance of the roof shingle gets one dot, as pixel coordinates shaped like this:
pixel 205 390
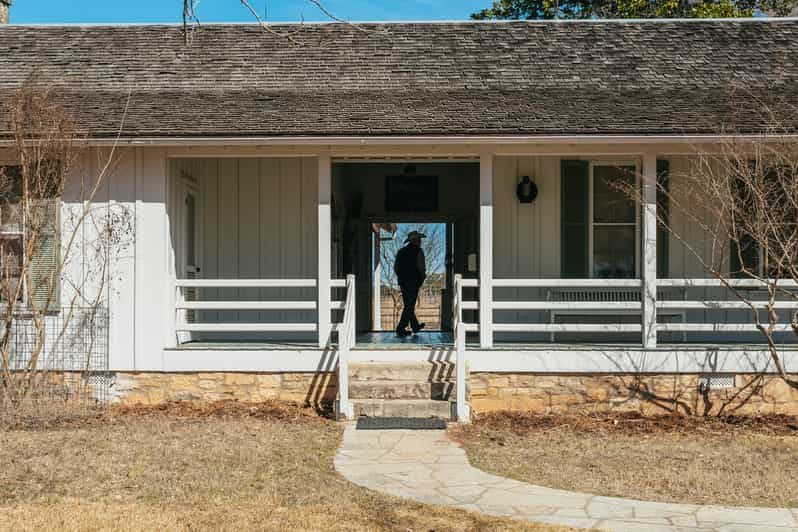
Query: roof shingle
pixel 469 78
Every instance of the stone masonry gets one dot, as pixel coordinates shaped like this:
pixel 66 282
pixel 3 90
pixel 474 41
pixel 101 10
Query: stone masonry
pixel 539 393
pixel 647 394
pixel 152 388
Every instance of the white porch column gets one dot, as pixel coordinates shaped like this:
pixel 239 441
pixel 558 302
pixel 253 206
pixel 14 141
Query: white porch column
pixel 325 246
pixel 486 250
pixel 649 248
pixel 376 285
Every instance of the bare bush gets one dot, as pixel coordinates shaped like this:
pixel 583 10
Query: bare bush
pixel 742 199
pixel 54 261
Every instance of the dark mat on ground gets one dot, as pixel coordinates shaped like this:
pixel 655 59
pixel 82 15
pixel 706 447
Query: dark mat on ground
pixel 388 423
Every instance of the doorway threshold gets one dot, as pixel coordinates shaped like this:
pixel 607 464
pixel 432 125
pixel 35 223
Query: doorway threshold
pixel 389 340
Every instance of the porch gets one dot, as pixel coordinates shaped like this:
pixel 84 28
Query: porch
pixel 605 275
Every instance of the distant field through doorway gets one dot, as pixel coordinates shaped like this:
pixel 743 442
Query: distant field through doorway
pixel 429 307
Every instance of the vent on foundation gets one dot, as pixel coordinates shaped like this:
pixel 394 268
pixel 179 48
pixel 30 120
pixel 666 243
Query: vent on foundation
pixel 715 382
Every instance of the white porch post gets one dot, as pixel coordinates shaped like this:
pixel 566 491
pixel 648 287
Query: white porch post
pixel 486 250
pixel 649 248
pixel 325 245
pixel 376 285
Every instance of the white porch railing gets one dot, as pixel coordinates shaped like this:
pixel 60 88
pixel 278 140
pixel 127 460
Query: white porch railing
pixel 345 328
pixel 184 305
pixel 702 304
pixel 614 298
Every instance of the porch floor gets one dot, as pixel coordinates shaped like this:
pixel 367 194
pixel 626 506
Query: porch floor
pixel 389 340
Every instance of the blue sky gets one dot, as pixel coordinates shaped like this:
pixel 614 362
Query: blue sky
pixel 76 11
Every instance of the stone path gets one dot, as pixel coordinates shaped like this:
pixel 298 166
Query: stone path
pixel 426 466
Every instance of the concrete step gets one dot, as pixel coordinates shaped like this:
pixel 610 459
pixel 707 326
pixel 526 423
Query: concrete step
pixel 377 389
pixel 402 408
pixel 402 371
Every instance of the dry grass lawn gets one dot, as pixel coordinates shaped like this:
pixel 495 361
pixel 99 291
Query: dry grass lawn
pixel 740 462
pixel 222 467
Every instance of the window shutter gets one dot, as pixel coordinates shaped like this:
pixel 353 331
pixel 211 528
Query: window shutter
pixel 44 275
pixel 750 248
pixel 574 190
pixel 663 212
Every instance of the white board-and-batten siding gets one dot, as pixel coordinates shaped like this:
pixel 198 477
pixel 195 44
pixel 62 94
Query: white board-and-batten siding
pixel 138 289
pixel 258 220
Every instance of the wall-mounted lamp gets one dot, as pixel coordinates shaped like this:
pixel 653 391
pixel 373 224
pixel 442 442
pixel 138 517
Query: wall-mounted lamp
pixel 527 190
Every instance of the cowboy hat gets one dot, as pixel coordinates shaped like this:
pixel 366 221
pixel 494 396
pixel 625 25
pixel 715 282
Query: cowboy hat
pixel 414 234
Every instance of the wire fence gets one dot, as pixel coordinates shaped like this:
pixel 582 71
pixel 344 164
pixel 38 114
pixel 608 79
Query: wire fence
pixel 55 365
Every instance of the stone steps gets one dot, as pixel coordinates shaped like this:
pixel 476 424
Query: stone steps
pixel 421 371
pixel 418 389
pixel 400 390
pixel 422 408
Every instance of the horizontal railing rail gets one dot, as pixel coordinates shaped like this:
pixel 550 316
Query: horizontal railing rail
pixel 187 304
pixel 701 310
pixel 604 302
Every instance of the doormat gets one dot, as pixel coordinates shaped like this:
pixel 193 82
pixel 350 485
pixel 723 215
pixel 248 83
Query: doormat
pixel 396 423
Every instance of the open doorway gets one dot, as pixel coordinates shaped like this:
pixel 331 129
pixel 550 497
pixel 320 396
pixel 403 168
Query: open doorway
pixel 431 307
pixel 375 204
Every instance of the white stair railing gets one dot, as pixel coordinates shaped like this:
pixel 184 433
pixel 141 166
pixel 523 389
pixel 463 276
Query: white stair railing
pixel 463 408
pixel 346 341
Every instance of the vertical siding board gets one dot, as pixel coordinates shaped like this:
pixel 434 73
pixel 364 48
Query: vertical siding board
pixel 291 226
pixel 248 213
pixel 228 230
pixel 209 190
pixel 310 227
pixel 122 280
pixel 527 244
pixel 270 226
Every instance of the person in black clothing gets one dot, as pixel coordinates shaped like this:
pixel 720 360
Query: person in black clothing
pixel 411 270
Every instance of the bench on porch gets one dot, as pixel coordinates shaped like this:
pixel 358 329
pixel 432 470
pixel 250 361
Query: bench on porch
pixel 580 295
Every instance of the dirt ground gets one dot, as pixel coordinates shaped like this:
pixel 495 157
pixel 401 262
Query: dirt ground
pixel 224 466
pixel 732 461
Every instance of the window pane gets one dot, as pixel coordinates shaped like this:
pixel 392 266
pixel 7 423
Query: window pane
pixel 611 205
pixel 11 262
pixel 10 195
pixel 614 252
pixel 191 230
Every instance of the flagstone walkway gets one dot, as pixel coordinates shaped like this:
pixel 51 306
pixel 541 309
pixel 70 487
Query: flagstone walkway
pixel 425 466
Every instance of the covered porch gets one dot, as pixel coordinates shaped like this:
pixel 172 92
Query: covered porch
pixel 261 244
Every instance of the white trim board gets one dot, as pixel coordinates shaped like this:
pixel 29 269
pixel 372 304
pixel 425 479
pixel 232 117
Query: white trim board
pixel 249 360
pixel 577 360
pixel 323 142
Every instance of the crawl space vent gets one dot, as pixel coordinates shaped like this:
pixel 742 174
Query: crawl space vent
pixel 715 382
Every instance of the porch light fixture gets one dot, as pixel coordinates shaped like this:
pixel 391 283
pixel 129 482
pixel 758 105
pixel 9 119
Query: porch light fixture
pixel 527 190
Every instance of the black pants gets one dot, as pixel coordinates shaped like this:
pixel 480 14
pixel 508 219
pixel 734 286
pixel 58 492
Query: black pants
pixel 409 297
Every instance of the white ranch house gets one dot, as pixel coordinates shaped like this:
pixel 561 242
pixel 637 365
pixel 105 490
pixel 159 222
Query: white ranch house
pixel 255 166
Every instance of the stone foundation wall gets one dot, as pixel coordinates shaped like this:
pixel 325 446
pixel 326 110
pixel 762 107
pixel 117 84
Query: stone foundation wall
pixel 315 389
pixel 647 394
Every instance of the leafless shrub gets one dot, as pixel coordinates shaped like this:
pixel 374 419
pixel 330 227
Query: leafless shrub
pixel 54 261
pixel 742 197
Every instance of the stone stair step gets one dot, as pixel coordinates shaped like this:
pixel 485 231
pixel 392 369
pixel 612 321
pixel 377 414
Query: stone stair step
pixel 379 389
pixel 422 408
pixel 402 371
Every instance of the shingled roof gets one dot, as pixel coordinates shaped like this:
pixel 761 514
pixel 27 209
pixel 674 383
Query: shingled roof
pixel 460 78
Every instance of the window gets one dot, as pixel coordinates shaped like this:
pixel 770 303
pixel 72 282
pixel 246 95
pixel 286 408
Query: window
pixel 43 264
pixel 12 236
pixel 614 218
pixel 767 237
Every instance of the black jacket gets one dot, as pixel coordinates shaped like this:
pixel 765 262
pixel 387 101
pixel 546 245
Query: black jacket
pixel 410 266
